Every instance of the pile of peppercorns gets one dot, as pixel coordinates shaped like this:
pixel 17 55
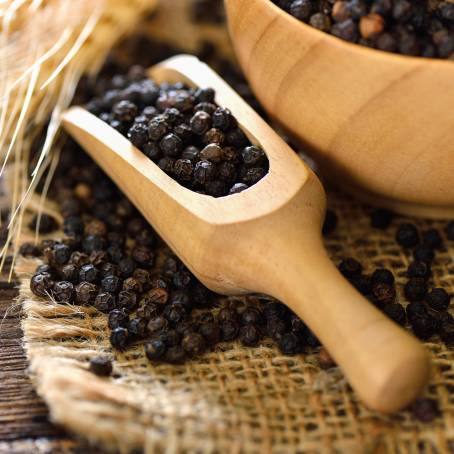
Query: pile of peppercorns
pixel 112 260
pixel 183 131
pixel 422 28
pixel 427 311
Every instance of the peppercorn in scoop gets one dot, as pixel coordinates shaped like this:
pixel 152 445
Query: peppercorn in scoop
pixel 184 132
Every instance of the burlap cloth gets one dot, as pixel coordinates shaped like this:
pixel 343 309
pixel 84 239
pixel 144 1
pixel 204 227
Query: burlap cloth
pixel 234 399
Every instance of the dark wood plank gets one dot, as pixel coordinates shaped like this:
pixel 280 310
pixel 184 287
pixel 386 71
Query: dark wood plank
pixel 23 415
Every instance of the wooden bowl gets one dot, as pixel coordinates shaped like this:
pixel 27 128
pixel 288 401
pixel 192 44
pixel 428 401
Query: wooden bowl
pixel 378 123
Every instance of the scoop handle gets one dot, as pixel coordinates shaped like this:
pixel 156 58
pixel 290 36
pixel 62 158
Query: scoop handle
pixel 386 365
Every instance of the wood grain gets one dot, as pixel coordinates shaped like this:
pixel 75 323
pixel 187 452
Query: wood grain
pixel 380 124
pixel 266 239
pixel 24 424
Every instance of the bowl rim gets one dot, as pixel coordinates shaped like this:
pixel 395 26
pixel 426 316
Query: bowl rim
pixel 355 47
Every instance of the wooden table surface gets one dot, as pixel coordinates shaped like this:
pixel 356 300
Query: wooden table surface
pixel 24 422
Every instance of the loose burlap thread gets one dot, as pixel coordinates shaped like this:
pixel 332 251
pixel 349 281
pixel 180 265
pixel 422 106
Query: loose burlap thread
pixel 233 399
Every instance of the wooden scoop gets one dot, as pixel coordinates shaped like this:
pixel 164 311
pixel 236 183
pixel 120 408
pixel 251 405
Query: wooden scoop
pixel 266 239
pixel 379 124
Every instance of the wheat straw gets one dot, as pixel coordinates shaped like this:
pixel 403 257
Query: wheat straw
pixel 45 47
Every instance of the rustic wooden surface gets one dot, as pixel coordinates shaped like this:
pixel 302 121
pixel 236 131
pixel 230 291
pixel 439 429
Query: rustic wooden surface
pixel 24 423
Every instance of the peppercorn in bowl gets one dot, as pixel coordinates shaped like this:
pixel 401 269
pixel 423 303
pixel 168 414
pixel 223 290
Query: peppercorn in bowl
pixel 378 122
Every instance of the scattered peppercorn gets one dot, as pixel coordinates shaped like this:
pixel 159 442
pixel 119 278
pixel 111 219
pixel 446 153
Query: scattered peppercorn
pixel 350 268
pixel 395 312
pixel 415 289
pixel 407 235
pixel 438 299
pixel 425 409
pixel 101 365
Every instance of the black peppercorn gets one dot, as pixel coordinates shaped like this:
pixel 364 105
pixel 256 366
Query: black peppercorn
pixel 350 268
pixel 171 145
pixel 251 315
pixel 253 175
pixel 157 295
pixel 210 331
pixel 237 188
pixel 118 318
pixel 381 218
pixel 111 284
pixel 88 273
pixel 127 300
pixel 104 302
pixel 59 254
pixel 432 238
pixel 126 267
pixel 193 344
pixel 223 119
pixel 446 333
pixel 131 284
pixel 290 344
pixel 124 111
pixel 423 253
pixel 155 349
pixel 419 269
pixel 276 328
pixel 101 365
pixel 415 289
pixel 212 152
pixel 137 327
pixel 415 310
pixel 63 292
pixel 383 276
pixel 119 338
pixel 175 355
pixel 183 169
pixel 30 250
pixel 438 299
pixel 200 123
pixel 93 243
pixel 200 295
pixel 175 313
pixel 229 330
pixel 204 95
pixel 158 128
pixel 424 327
pixel 253 156
pixel 85 293
pixel 249 335
pixel 424 409
pixel 157 324
pixel 44 223
pixel 41 284
pixel 182 279
pixel 407 235
pixel 79 258
pixel 204 171
pixel 383 294
pixel 395 312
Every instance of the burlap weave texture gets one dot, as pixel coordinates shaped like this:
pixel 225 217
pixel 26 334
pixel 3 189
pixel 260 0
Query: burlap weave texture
pixel 234 399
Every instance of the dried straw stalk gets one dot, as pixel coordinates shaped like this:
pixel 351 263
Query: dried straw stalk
pixel 45 47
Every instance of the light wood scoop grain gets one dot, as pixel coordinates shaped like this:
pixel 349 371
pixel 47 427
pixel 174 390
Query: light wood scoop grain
pixel 265 239
pixel 380 124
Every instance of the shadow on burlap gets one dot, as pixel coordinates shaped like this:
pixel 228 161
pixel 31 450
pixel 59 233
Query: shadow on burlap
pixel 233 399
